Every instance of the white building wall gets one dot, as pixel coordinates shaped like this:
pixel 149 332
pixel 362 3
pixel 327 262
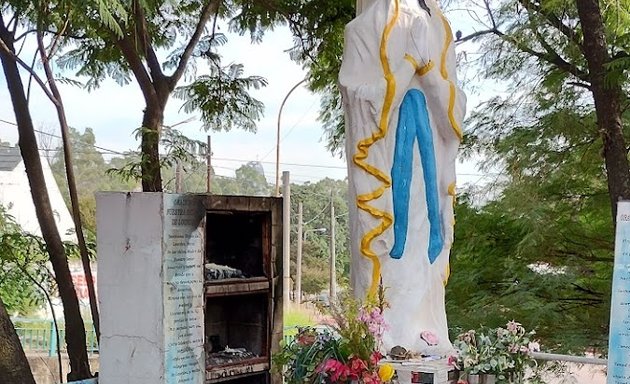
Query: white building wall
pixel 15 196
pixel 130 285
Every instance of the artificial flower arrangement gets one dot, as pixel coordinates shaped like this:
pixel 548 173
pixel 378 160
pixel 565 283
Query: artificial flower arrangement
pixel 503 352
pixel 345 352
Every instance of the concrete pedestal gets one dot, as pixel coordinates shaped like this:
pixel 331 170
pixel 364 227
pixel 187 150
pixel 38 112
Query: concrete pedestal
pixel 424 372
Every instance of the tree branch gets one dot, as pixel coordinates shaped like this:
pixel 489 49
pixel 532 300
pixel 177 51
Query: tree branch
pixel 477 34
pixel 554 21
pixel 580 84
pixel 549 57
pixel 490 15
pixel 138 69
pixel 23 34
pixel 147 48
pixel 211 7
pixel 28 69
pixel 57 38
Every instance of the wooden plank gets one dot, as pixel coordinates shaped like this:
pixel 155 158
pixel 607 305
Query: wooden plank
pixel 239 203
pixel 216 202
pixel 232 371
pixel 244 287
pixel 263 203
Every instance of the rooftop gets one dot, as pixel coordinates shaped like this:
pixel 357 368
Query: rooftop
pixel 10 157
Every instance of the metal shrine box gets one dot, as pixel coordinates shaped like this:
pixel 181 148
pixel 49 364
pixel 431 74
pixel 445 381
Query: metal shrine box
pixel 425 372
pixel 190 287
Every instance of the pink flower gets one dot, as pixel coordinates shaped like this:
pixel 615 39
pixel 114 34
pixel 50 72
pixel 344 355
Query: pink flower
pixel 430 338
pixel 375 357
pixel 513 326
pixel 374 320
pixel 513 348
pixel 328 365
pixel 335 369
pixel 452 361
pixel 460 381
pixel 306 339
pixel 533 346
pixel 468 337
pixel 357 365
pixel 370 378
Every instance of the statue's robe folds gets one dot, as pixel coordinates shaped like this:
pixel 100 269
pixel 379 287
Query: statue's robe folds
pixel 403 115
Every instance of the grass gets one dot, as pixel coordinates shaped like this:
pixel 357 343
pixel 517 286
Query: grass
pixel 297 318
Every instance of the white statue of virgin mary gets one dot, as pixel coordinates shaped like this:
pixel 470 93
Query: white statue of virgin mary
pixel 403 117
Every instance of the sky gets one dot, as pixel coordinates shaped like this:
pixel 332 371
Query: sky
pixel 114 112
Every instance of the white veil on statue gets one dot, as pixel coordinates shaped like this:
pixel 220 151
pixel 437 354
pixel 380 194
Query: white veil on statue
pixel 403 115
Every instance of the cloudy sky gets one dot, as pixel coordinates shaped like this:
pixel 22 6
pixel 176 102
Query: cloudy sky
pixel 114 112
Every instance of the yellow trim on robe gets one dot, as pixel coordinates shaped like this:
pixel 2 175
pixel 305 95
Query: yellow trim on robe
pixel 363 200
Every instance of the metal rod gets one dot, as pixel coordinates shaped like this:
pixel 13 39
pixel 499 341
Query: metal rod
pixel 286 239
pixel 209 165
pixel 569 358
pixel 298 261
pixel 278 136
pixel 333 255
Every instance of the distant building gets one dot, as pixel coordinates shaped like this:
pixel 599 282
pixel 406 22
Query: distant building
pixel 15 194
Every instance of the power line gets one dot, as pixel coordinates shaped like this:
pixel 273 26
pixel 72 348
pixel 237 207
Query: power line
pixel 273 162
pixel 322 166
pixel 291 129
pixel 108 151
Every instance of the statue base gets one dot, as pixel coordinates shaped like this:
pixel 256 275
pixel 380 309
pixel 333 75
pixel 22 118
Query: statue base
pixel 424 371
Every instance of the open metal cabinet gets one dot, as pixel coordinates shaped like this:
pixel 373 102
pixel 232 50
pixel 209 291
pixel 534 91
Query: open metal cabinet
pixel 190 288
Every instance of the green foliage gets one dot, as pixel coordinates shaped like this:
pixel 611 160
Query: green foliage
pixel 221 96
pixel 223 99
pixel 542 250
pixel 317 27
pixel 345 352
pixel 315 198
pixel 540 247
pixel 503 352
pixel 299 359
pixel 23 260
pixel 90 173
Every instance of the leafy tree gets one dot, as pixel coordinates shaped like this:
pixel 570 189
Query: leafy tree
pixel 131 48
pixel 251 178
pixel 542 251
pixel 558 138
pixel 317 27
pixel 21 255
pixel 35 15
pixel 558 54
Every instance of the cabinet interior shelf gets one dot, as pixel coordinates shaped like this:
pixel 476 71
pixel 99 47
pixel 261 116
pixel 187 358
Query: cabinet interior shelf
pixel 228 287
pixel 216 374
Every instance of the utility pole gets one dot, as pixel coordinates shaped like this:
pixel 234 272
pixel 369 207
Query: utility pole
pixel 298 272
pixel 333 256
pixel 286 248
pixel 209 164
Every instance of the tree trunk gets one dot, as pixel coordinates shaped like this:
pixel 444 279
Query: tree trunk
pixel 75 329
pixel 72 184
pixel 150 147
pixel 607 99
pixel 14 367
